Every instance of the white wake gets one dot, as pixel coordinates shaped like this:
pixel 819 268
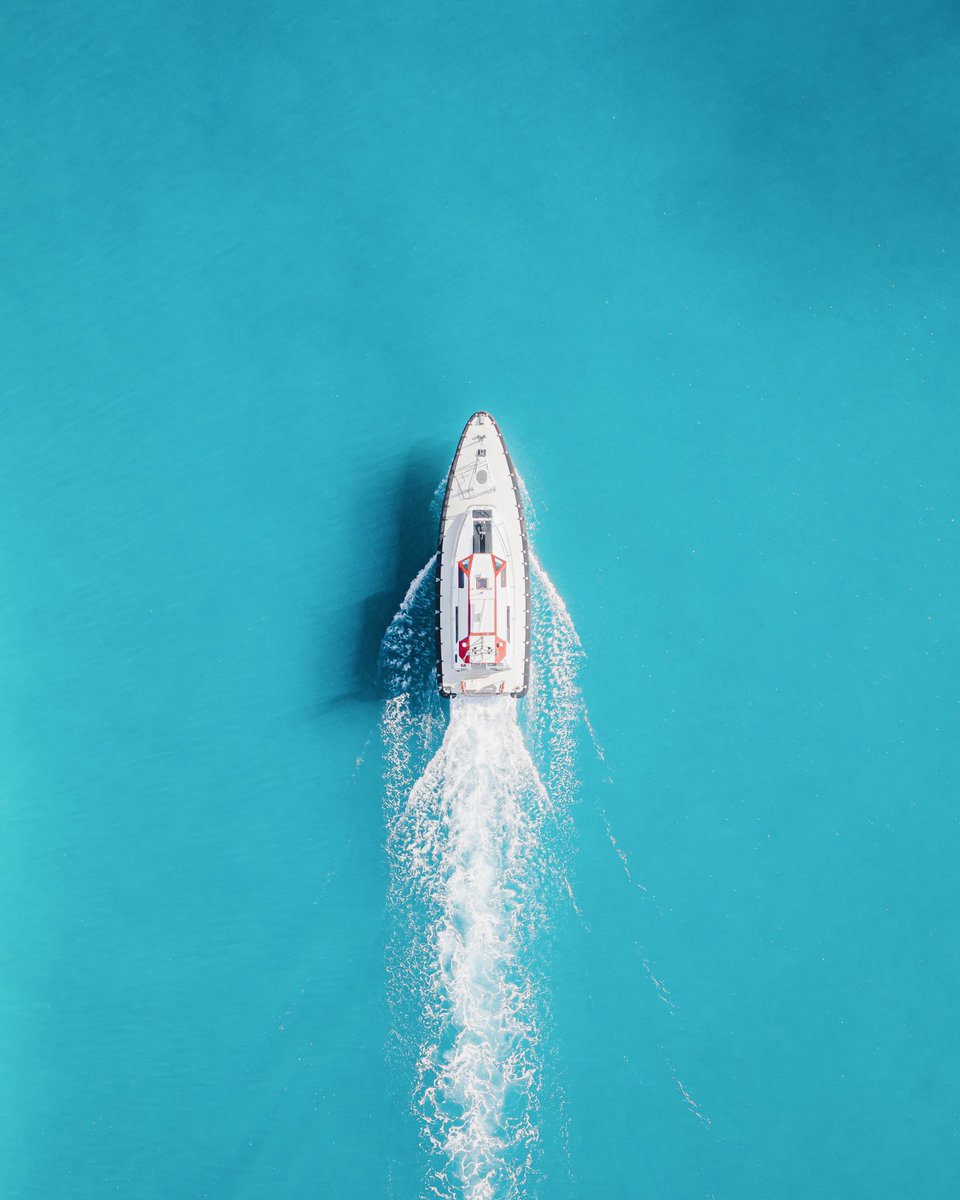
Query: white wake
pixel 467 844
pixel 478 817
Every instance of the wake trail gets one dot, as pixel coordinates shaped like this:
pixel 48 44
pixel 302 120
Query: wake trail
pixel 478 828
pixel 467 848
pixel 478 806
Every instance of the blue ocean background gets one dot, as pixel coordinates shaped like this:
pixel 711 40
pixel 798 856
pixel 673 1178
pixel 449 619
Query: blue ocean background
pixel 259 265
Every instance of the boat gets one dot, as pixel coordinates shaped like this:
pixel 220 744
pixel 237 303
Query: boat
pixel 483 571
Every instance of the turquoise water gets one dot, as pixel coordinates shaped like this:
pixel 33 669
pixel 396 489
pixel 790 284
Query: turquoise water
pixel 259 264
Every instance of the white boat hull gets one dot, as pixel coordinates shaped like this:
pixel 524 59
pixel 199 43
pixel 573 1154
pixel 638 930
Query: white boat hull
pixel 483 580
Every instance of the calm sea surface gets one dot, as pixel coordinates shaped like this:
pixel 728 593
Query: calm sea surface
pixel 258 264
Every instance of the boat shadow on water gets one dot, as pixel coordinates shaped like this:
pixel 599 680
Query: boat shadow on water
pixel 405 512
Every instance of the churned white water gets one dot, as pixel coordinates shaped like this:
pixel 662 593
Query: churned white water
pixel 477 808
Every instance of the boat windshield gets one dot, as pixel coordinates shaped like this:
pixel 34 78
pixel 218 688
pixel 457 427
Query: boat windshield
pixel 483 537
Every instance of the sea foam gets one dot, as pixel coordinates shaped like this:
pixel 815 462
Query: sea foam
pixel 478 815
